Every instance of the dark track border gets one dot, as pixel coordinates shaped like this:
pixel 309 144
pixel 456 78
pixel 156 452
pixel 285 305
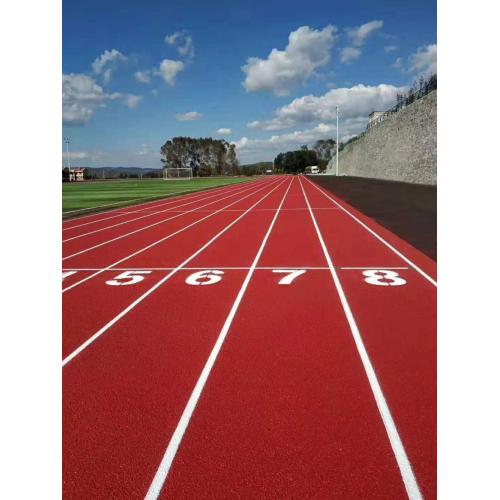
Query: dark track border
pixel 408 210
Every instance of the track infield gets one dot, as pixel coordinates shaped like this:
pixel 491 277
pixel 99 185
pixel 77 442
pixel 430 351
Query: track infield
pixel 258 340
pixel 80 198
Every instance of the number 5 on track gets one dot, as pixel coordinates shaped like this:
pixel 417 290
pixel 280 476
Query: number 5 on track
pixel 291 274
pixel 127 278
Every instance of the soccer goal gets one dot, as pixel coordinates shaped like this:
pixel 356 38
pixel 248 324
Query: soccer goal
pixel 172 174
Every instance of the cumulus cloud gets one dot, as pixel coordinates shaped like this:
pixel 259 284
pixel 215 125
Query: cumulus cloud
pixel 169 69
pixel 307 50
pixel 81 96
pixel 266 149
pixel 182 42
pixel 390 48
pixel 359 35
pixel 108 60
pixel 348 54
pixel 143 76
pixel 131 101
pixel 224 131
pixel 354 102
pixel 191 116
pixel 424 61
pixel 421 63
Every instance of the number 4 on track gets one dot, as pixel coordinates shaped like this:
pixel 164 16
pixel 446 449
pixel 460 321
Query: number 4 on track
pixel 291 274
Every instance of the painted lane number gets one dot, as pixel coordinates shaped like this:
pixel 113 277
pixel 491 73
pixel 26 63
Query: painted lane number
pixel 291 274
pixel 208 277
pixel 383 277
pixel 65 274
pixel 127 278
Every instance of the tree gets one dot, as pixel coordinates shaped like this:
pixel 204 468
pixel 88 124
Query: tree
pixel 206 156
pixel 295 161
pixel 325 149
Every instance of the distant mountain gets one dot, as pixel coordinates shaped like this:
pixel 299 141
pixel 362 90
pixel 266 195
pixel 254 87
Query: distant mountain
pixel 121 172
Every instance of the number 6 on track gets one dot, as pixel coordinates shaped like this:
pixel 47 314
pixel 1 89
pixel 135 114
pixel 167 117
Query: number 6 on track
pixel 208 277
pixel 291 274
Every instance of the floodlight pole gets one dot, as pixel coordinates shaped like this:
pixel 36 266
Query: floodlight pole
pixel 337 145
pixel 66 140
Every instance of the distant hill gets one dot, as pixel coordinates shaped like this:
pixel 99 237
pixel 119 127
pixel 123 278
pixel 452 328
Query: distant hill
pixel 122 172
pixel 256 168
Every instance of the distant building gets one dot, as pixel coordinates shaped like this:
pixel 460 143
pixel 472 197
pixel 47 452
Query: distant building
pixel 72 174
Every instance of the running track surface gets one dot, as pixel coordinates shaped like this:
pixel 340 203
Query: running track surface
pixel 263 340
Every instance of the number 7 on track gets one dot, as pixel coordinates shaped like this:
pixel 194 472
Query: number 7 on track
pixel 291 274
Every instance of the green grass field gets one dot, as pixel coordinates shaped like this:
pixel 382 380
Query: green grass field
pixel 81 198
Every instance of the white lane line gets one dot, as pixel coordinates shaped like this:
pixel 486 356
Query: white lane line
pixel 262 209
pixel 169 200
pixel 175 440
pixel 405 468
pixel 135 231
pixel 161 240
pixel 243 268
pixel 151 213
pixel 159 283
pixel 371 231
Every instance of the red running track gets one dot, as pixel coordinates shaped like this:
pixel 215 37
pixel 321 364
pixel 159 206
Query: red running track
pixel 253 382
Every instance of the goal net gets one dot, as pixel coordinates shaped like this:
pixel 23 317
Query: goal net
pixel 170 173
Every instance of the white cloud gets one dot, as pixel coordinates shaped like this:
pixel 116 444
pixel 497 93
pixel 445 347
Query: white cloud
pixel 131 101
pixel 424 61
pixel 143 76
pixel 106 76
pixel 359 35
pixel 354 102
pixel 81 96
pixel 144 151
pixel 390 48
pixel 169 69
pixel 107 58
pixel 307 50
pixel 250 150
pixel 398 63
pixel 421 63
pixel 348 54
pixel 75 155
pixel 224 131
pixel 182 42
pixel 144 158
pixel 191 116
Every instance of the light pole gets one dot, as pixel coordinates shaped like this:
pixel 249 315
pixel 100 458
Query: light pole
pixel 66 140
pixel 337 145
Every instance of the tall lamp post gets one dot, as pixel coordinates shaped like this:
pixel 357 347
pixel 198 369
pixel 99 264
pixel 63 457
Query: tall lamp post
pixel 337 145
pixel 66 140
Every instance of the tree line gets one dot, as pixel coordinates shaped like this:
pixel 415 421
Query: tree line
pixel 293 162
pixel 206 156
pixel 419 88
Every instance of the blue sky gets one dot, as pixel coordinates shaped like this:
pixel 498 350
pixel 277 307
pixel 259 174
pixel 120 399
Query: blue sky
pixel 138 73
